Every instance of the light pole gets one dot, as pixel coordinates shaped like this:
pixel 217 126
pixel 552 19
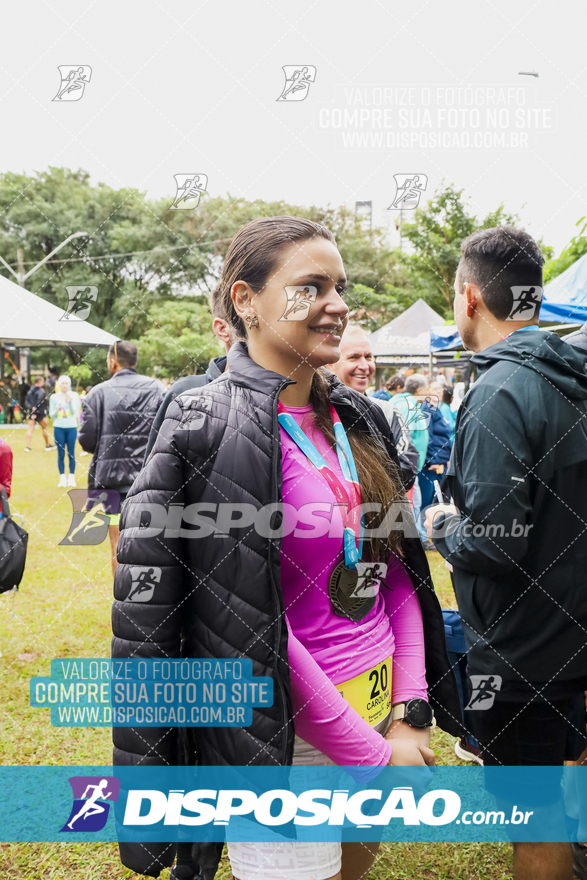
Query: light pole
pixel 20 275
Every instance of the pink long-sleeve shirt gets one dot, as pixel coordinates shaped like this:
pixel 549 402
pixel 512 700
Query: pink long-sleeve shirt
pixel 324 648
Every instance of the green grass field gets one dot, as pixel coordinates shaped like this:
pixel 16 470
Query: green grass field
pixel 63 610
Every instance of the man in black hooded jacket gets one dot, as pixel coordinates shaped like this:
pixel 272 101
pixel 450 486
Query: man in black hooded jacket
pixel 517 536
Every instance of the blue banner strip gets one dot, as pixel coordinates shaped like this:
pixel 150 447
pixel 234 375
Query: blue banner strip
pixel 455 804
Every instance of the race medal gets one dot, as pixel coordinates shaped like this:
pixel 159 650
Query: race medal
pixel 342 592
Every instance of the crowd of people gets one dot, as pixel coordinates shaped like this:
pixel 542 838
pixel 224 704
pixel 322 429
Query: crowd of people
pixel 288 415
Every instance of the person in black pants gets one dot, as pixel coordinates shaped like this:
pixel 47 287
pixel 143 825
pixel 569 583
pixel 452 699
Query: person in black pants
pixel 36 404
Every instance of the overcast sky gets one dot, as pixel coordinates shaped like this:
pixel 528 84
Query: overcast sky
pixel 181 87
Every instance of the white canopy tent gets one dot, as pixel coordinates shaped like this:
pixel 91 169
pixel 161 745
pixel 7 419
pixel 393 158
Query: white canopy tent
pixel 27 320
pixel 406 339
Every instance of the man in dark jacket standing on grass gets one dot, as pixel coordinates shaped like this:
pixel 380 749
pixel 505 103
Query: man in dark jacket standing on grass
pixel 117 418
pixel 517 535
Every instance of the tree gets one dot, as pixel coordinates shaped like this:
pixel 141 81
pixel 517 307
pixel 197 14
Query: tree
pixel 158 255
pixel 80 373
pixel 576 248
pixel 436 235
pixel 179 341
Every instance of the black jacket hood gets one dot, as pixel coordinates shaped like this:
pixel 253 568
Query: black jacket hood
pixel 558 362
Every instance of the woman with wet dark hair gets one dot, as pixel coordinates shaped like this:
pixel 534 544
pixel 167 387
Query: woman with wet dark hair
pixel 322 601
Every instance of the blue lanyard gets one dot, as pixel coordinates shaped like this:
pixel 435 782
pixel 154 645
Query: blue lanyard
pixel 350 497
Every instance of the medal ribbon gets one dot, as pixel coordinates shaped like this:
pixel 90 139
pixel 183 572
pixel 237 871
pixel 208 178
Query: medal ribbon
pixel 348 496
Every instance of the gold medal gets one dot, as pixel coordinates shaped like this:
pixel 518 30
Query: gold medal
pixel 345 592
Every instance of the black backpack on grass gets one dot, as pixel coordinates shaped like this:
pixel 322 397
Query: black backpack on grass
pixel 13 547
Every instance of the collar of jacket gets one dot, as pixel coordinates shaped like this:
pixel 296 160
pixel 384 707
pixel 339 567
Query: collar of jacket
pixel 352 407
pixel 124 371
pixel 216 368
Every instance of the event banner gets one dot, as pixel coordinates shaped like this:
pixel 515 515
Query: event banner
pixel 99 804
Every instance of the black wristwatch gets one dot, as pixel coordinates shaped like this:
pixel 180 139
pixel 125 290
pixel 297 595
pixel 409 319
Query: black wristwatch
pixel 417 713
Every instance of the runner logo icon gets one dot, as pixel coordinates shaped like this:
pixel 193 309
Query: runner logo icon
pixel 74 78
pixel 90 802
pixel 526 302
pixel 484 690
pixel 299 300
pixel 144 580
pixel 370 575
pixel 80 303
pixel 297 82
pixel 189 188
pixel 409 190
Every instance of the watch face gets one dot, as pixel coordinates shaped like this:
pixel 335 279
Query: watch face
pixel 418 713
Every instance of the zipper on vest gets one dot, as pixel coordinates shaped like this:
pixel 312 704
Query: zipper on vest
pixel 286 721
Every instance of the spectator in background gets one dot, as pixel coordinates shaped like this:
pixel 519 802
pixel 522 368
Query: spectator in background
pixel 227 335
pixel 408 405
pixel 392 386
pixel 356 368
pixel 64 408
pixel 438 451
pixel 447 410
pixel 11 401
pixel 23 390
pixel 117 418
pixel 36 404
pixel 416 385
pixel 5 466
pixel 51 381
pixel 85 391
pixel 4 398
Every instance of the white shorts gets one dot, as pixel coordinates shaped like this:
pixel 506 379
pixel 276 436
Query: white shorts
pixel 288 861
pixel 292 861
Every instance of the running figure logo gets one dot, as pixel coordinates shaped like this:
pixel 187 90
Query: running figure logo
pixel 92 509
pixel 409 190
pixel 80 302
pixel 90 808
pixel 370 575
pixel 191 417
pixel 74 78
pixel 299 300
pixel 297 82
pixel 484 690
pixel 189 188
pixel 144 580
pixel 525 304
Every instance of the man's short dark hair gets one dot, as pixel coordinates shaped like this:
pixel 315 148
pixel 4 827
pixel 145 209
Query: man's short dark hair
pixel 498 259
pixel 126 353
pixel 217 304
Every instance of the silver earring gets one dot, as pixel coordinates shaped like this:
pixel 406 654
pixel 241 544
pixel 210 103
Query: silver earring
pixel 252 321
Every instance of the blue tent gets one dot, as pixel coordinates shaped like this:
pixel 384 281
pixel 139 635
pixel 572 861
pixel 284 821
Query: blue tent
pixel 565 297
pixel 445 337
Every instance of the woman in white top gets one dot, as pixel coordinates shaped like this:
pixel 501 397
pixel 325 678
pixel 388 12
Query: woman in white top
pixel 64 409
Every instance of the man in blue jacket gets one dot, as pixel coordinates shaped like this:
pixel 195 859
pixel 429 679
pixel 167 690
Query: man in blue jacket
pixel 516 537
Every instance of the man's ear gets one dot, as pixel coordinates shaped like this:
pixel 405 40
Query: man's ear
pixel 221 329
pixel 472 297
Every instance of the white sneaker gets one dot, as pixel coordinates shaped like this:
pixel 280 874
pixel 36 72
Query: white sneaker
pixel 71 480
pixel 62 482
